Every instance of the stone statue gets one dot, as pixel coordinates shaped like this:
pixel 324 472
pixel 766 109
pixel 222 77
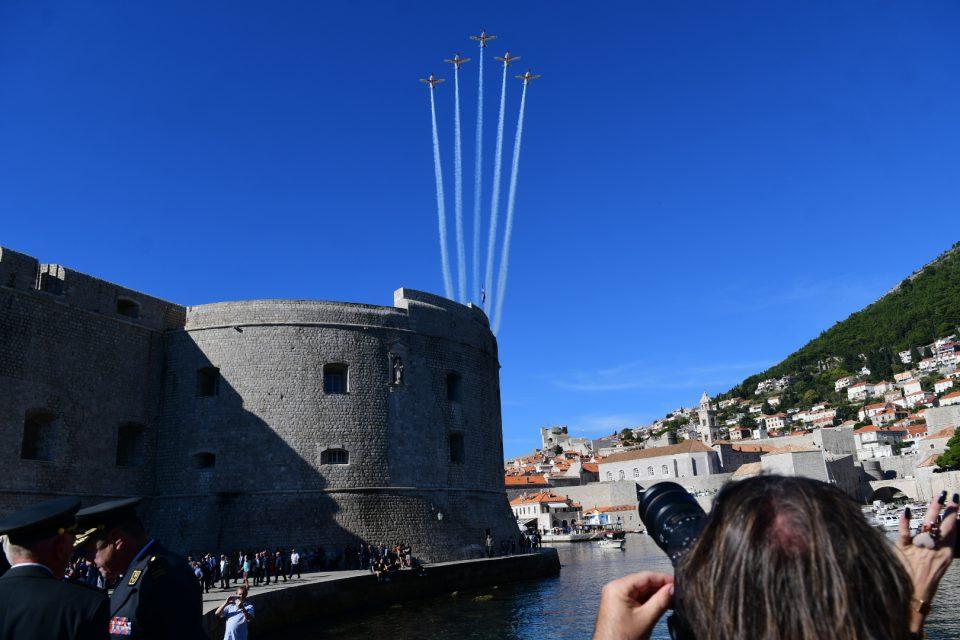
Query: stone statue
pixel 397 370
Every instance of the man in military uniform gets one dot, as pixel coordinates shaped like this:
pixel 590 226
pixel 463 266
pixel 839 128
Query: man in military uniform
pixel 157 595
pixel 35 602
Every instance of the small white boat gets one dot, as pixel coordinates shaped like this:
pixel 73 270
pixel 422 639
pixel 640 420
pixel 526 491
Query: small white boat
pixel 611 543
pixel 891 521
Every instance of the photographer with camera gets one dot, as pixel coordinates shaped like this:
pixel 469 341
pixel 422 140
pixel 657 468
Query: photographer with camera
pixel 780 558
pixel 238 612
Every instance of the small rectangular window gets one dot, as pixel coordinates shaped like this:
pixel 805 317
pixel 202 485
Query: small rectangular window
pixel 127 307
pixel 208 381
pixel 453 387
pixel 130 445
pixel 335 456
pixel 39 436
pixel 456 447
pixel 204 460
pixel 335 379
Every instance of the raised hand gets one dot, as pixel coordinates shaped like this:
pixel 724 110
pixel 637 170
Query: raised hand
pixel 631 606
pixel 927 555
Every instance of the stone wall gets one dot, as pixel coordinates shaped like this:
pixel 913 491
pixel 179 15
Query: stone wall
pixel 243 463
pixel 69 357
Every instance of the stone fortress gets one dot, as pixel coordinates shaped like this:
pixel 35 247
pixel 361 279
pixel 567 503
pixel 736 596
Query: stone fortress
pixel 254 424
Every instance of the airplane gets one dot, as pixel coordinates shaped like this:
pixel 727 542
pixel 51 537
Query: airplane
pixel 507 59
pixel 528 76
pixel 433 81
pixel 456 61
pixel 483 37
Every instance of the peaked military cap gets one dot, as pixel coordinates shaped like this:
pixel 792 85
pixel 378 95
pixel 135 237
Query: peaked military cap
pixel 101 517
pixel 42 520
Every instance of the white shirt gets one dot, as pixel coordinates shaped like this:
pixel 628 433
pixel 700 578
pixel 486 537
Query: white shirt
pixel 294 558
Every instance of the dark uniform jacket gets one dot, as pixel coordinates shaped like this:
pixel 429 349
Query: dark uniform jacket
pixel 34 605
pixel 158 597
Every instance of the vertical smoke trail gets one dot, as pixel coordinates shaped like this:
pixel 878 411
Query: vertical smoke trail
pixel 458 188
pixel 441 212
pixel 476 186
pixel 505 252
pixel 495 202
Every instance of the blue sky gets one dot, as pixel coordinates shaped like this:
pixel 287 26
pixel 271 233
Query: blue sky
pixel 703 186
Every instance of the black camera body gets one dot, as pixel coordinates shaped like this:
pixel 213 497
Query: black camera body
pixel 674 520
pixel 672 517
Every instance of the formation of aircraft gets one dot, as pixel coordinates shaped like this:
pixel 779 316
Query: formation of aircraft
pixel 432 81
pixel 456 60
pixel 528 77
pixel 507 59
pixel 483 37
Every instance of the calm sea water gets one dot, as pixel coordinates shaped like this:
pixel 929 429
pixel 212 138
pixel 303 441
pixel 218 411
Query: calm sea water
pixel 557 608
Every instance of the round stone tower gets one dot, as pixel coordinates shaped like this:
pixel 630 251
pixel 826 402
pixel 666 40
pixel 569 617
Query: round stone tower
pixel 303 423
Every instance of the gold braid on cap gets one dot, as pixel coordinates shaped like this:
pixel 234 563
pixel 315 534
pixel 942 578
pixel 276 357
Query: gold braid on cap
pixel 85 535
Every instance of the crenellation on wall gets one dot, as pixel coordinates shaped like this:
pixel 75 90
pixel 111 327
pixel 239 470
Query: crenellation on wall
pixel 18 270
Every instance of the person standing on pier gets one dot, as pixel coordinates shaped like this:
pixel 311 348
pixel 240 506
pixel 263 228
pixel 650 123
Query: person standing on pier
pixel 294 563
pixel 238 612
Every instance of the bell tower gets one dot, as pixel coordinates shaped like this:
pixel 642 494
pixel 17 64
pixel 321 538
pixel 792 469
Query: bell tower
pixel 707 427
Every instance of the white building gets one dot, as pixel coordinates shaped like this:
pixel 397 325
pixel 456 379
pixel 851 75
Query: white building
pixel 777 421
pixel 950 399
pixel 545 511
pixel 688 459
pixel 877 442
pixel 911 386
pixel 902 377
pixel 942 385
pixel 843 383
pixel 859 391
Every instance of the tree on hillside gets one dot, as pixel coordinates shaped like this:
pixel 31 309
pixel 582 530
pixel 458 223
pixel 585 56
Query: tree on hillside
pixel 846 412
pixel 915 355
pixel 950 460
pixel 767 409
pixel 810 397
pixel 748 422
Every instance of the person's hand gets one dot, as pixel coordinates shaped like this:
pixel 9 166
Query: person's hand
pixel 631 606
pixel 927 555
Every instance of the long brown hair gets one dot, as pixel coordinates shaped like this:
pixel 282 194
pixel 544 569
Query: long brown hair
pixel 791 559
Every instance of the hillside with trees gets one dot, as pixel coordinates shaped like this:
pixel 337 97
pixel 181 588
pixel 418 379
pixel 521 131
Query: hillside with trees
pixel 923 307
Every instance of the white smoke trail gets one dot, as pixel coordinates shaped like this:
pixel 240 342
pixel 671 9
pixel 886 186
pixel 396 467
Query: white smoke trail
pixel 495 202
pixel 511 197
pixel 458 188
pixel 477 170
pixel 441 211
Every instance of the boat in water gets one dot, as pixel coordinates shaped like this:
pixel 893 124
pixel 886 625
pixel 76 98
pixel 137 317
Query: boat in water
pixel 611 543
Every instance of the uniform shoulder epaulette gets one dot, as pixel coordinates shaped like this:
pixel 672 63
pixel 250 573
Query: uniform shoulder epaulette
pixel 157 566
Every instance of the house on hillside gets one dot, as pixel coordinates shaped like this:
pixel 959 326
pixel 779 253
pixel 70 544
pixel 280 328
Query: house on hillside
pixel 950 399
pixel 877 442
pixel 843 383
pixel 942 385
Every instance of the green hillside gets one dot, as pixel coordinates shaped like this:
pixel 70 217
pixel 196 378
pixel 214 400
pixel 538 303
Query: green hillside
pixel 923 307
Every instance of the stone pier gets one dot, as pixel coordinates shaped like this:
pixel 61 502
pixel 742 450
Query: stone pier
pixel 284 605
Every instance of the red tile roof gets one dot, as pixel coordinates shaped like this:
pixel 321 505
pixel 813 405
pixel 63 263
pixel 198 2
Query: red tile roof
pixel 525 481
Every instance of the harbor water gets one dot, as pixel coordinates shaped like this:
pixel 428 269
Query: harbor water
pixel 558 608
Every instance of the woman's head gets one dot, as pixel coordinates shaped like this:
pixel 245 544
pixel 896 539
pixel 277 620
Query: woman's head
pixel 791 558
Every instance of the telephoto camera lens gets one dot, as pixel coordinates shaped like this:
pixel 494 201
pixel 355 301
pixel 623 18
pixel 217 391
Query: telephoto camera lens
pixel 672 517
